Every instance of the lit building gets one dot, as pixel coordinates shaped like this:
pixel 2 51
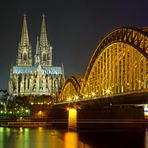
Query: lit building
pixel 40 78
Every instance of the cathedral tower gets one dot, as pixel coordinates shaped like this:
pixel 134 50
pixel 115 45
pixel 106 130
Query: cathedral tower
pixel 44 46
pixel 24 57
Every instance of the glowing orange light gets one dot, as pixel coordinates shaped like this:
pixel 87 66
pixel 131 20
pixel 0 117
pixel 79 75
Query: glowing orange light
pixel 70 140
pixel 40 113
pixel 72 119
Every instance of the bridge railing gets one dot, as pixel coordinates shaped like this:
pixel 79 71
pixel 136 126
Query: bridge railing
pixel 101 97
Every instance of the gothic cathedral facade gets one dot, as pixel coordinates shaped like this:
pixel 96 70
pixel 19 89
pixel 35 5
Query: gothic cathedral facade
pixel 40 78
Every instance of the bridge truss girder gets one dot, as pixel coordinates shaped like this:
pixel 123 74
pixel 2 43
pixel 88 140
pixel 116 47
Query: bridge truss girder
pixel 119 64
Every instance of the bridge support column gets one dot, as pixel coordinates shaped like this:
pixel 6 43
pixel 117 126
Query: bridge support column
pixel 72 118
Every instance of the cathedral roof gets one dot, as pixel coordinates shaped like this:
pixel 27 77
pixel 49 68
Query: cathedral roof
pixel 31 70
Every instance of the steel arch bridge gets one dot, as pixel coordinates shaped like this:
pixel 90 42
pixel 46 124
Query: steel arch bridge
pixel 118 65
pixel 71 89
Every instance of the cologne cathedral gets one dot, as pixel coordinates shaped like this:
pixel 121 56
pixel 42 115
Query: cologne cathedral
pixel 38 77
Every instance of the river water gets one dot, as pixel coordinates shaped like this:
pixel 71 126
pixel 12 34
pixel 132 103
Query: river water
pixel 41 137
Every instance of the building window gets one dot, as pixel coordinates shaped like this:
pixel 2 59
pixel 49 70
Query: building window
pixel 25 57
pixel 44 57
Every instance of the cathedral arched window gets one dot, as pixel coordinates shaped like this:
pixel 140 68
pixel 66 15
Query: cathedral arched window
pixel 25 57
pixel 44 57
pixel 41 84
pixel 14 87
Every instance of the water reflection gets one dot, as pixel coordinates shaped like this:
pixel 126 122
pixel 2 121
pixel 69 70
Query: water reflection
pixel 146 138
pixel 50 138
pixel 71 140
pixel 39 138
pixel 1 137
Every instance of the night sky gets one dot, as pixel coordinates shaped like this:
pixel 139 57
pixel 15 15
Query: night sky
pixel 74 27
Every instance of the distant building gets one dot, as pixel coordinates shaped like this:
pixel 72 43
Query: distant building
pixel 40 78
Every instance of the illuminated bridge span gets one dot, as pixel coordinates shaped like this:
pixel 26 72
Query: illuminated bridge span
pixel 71 89
pixel 119 65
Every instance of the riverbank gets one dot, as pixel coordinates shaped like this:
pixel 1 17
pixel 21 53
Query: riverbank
pixel 24 124
pixel 100 124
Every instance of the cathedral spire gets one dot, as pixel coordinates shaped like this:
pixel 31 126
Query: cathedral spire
pixel 24 36
pixel 43 34
pixel 45 50
pixel 37 46
pixel 24 57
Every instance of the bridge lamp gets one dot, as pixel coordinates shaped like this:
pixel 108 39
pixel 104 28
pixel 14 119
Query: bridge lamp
pixel 86 95
pixel 69 99
pixel 93 94
pixel 108 91
pixel 76 97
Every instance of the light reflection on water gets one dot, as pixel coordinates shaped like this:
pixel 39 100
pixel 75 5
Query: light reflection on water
pixel 49 138
pixel 146 138
pixel 38 138
pixel 72 141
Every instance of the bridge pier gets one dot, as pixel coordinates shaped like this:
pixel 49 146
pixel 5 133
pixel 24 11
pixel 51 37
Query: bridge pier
pixel 72 119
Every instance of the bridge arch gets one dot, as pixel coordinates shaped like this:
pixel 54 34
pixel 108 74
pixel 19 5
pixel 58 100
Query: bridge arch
pixel 118 64
pixel 71 89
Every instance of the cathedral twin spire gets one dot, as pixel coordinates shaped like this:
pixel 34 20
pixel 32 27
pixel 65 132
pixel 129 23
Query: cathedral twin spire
pixel 43 49
pixel 43 35
pixel 24 36
pixel 43 54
